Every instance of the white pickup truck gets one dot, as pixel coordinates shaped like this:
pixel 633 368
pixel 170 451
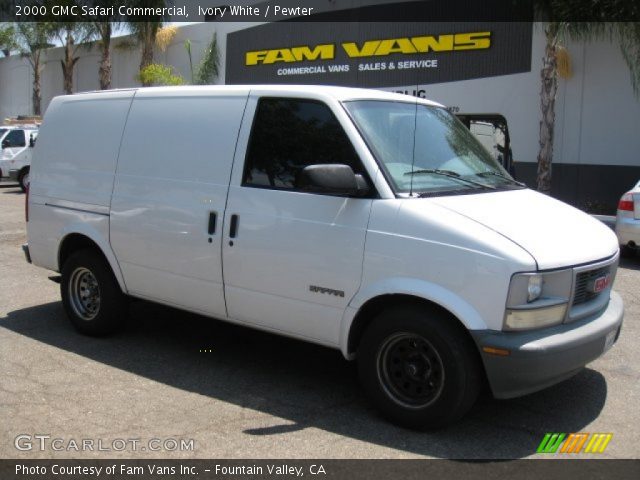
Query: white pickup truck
pixel 17 143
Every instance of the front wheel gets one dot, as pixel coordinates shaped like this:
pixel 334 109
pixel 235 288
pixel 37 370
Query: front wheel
pixel 419 367
pixel 91 295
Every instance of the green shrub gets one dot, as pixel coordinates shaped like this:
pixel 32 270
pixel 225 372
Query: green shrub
pixel 158 74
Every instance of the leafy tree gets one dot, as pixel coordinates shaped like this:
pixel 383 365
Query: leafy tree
pixel 620 22
pixel 7 39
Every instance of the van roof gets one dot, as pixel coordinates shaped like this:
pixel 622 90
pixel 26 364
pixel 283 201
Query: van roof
pixel 339 93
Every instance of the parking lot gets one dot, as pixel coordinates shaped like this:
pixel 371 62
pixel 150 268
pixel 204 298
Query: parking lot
pixel 240 393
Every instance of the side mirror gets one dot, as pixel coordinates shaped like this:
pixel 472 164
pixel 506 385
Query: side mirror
pixel 336 179
pixel 6 144
pixel 32 141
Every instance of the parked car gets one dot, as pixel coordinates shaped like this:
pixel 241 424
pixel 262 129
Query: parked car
pixel 362 220
pixel 15 155
pixel 628 221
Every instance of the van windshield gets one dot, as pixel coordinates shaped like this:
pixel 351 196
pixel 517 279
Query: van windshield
pixel 426 150
pixel 2 132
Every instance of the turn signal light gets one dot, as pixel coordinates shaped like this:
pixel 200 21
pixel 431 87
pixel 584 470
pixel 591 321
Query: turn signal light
pixel 501 352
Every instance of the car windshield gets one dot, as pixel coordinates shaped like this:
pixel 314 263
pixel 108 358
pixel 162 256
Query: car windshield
pixel 425 149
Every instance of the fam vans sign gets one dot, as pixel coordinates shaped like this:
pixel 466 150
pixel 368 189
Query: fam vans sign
pixel 376 54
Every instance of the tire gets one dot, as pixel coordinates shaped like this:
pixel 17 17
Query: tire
pixel 91 295
pixel 627 252
pixel 433 382
pixel 23 179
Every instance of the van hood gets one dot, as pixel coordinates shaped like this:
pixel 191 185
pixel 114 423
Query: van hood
pixel 554 233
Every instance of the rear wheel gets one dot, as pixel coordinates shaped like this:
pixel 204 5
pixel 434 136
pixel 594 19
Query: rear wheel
pixel 627 252
pixel 91 295
pixel 419 367
pixel 23 179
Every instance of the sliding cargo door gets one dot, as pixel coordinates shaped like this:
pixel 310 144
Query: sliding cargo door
pixel 170 192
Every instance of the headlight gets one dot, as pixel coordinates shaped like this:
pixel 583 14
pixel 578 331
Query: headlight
pixel 538 299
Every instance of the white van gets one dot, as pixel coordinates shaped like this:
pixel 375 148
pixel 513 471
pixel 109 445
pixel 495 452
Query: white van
pixel 362 220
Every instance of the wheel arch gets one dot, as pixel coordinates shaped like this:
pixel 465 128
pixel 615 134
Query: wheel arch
pixel 363 308
pixel 73 241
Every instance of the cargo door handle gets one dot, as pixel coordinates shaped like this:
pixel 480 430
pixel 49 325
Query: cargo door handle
pixel 213 216
pixel 233 229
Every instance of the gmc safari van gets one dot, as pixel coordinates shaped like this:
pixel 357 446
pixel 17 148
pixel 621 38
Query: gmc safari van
pixel 362 220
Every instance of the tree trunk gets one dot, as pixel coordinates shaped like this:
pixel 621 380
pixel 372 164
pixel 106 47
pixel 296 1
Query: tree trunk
pixel 549 87
pixel 147 49
pixel 105 61
pixel 37 96
pixel 68 64
pixel 67 77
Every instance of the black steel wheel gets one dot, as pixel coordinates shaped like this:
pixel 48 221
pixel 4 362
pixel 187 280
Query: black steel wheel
pixel 419 366
pixel 410 370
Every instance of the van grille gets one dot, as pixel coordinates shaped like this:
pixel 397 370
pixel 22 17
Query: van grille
pixel 582 293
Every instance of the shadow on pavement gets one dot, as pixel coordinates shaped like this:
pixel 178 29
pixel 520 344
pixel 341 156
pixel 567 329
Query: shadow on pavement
pixel 308 385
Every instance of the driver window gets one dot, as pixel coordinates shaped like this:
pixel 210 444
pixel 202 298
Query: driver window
pixel 289 134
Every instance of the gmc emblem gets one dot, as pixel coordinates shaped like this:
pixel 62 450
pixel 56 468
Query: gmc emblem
pixel 601 283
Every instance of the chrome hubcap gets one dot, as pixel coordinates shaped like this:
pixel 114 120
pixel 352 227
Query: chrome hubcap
pixel 410 370
pixel 84 293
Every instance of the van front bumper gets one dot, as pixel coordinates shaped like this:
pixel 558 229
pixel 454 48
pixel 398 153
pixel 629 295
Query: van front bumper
pixel 541 358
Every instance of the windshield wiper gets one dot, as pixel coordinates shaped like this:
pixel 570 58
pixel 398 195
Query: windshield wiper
pixel 499 175
pixel 450 174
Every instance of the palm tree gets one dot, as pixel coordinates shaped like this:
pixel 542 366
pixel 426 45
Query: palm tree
pixel 104 30
pixel 72 35
pixel 145 32
pixel 32 39
pixel 561 26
